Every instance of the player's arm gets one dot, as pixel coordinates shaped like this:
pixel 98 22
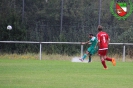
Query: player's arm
pixel 98 42
pixel 85 42
pixel 108 39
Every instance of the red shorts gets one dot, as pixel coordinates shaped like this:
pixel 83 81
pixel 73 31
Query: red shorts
pixel 102 52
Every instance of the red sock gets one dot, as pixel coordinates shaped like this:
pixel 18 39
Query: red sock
pixel 104 64
pixel 108 59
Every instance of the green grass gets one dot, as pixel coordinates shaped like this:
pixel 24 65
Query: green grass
pixel 23 73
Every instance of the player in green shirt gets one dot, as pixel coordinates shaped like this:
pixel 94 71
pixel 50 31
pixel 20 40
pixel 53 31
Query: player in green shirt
pixel 92 49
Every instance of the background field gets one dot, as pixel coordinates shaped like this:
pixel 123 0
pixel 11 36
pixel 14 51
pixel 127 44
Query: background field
pixel 33 73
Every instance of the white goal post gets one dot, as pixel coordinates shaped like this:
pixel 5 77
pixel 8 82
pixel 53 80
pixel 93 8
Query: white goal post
pixel 79 43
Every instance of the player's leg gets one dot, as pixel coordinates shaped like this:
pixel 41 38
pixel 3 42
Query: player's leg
pixel 110 59
pixel 87 52
pixel 107 58
pixel 89 57
pixel 84 56
pixel 92 52
pixel 102 54
pixel 103 62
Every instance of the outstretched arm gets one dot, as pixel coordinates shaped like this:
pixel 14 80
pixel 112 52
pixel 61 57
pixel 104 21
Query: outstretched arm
pixel 85 42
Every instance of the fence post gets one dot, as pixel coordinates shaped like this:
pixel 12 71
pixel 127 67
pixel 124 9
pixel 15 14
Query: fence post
pixel 124 53
pixel 82 50
pixel 40 55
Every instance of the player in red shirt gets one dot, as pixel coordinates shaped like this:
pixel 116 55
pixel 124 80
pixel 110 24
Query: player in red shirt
pixel 103 41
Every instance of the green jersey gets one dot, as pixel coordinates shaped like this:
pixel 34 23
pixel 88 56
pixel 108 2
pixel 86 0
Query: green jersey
pixel 93 42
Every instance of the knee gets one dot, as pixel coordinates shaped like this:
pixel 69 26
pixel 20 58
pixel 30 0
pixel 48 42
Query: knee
pixel 89 55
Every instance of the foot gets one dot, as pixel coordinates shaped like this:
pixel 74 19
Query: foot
pixel 113 62
pixel 81 59
pixel 105 68
pixel 89 61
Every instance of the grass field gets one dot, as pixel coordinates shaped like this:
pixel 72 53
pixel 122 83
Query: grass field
pixel 32 73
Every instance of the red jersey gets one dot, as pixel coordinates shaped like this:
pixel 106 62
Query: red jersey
pixel 103 39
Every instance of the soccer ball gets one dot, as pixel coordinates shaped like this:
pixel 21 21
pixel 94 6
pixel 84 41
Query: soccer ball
pixel 9 27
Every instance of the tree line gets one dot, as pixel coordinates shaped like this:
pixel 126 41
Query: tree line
pixel 40 20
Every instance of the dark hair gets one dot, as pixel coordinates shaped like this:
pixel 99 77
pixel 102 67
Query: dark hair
pixel 91 34
pixel 100 28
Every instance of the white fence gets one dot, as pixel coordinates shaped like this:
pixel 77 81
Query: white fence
pixel 79 43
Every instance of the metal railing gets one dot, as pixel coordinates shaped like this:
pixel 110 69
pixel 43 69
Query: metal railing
pixel 79 43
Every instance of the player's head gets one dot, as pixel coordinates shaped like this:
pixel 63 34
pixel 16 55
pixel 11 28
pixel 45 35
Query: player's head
pixel 91 35
pixel 100 28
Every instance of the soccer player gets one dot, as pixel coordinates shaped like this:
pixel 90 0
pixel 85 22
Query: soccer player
pixel 92 49
pixel 103 41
